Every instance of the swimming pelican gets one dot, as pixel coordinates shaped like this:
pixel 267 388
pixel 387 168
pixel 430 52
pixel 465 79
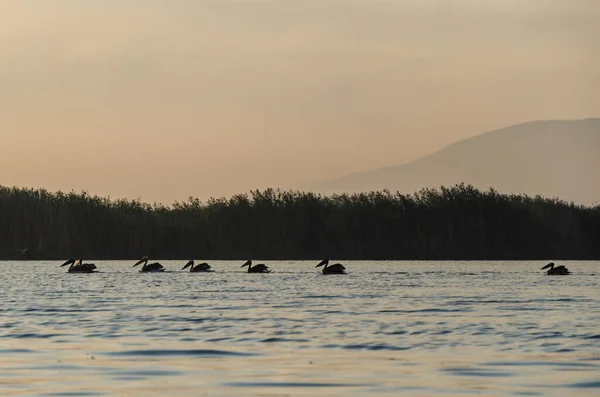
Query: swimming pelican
pixel 200 267
pixel 336 268
pixel 153 267
pixel 556 271
pixel 260 268
pixel 78 267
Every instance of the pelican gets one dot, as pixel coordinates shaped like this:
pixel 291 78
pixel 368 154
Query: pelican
pixel 337 268
pixel 153 267
pixel 200 267
pixel 78 267
pixel 260 268
pixel 556 271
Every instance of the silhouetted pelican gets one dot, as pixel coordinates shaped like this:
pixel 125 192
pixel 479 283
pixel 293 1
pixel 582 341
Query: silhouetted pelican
pixel 78 267
pixel 152 267
pixel 556 271
pixel 336 268
pixel 260 268
pixel 200 267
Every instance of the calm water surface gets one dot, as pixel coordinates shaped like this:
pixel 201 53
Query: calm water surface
pixel 385 329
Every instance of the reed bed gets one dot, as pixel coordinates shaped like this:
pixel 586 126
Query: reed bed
pixel 449 223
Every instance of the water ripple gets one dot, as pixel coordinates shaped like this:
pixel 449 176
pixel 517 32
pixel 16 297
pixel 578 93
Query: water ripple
pixel 187 353
pixel 385 329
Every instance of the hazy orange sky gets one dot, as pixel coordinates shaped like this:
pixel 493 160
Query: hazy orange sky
pixel 166 99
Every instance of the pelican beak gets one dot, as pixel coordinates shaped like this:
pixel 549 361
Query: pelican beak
pixel 322 263
pixel 138 262
pixel 68 262
pixel 547 266
pixel 247 263
pixel 190 263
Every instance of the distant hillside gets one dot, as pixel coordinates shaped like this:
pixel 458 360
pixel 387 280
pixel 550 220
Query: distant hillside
pixel 551 158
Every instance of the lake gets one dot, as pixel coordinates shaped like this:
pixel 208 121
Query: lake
pixel 384 329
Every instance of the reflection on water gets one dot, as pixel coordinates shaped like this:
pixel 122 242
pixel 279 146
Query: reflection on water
pixel 391 328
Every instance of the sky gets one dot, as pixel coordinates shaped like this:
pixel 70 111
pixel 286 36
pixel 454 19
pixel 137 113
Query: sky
pixel 161 100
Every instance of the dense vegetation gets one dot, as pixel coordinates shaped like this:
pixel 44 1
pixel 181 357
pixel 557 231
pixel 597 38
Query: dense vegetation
pixel 460 222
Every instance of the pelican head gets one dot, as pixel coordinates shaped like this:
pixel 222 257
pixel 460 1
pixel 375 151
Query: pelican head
pixel 190 263
pixel 548 266
pixel 324 262
pixel 144 259
pixel 69 262
pixel 248 263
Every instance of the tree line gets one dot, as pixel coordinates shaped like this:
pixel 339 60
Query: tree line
pixel 449 223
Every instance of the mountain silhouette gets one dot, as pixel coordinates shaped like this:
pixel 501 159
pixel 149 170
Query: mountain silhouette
pixel 554 158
